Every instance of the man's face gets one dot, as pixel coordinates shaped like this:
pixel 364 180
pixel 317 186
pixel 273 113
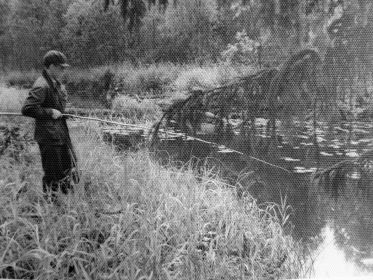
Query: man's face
pixel 56 71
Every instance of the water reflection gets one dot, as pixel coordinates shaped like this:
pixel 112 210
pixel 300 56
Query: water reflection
pixel 330 261
pixel 349 243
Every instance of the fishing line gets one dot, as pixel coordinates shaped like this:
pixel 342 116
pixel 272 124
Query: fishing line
pixel 166 132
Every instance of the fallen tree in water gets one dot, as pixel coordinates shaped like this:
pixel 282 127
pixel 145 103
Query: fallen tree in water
pixel 336 178
pixel 270 93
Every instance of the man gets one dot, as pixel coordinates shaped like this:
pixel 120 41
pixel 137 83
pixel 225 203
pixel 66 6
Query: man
pixel 46 103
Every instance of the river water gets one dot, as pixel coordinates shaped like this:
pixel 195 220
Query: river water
pixel 340 230
pixel 330 261
pixel 343 229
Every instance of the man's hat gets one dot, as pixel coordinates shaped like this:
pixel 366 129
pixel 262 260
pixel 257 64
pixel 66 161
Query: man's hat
pixel 55 58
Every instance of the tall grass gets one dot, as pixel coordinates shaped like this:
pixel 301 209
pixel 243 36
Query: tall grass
pixel 207 76
pixel 20 79
pixel 131 218
pixel 119 86
pixel 11 99
pixel 136 110
pixel 145 80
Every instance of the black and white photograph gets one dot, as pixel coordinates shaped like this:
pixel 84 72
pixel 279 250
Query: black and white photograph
pixel 186 139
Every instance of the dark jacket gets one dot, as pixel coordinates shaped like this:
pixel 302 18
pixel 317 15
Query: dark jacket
pixel 45 95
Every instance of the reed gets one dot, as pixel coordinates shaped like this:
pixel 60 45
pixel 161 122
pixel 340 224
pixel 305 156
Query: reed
pixel 131 218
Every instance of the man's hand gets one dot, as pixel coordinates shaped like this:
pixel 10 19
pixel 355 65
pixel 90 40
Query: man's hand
pixel 56 114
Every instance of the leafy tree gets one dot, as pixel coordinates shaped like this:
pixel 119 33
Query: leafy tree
pixel 131 10
pixel 92 36
pixel 5 46
pixel 189 30
pixel 4 12
pixel 35 26
pixel 26 26
pixel 150 35
pixel 55 22
pixel 243 51
pixel 161 3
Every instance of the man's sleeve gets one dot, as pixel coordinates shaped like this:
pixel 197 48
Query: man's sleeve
pixel 32 106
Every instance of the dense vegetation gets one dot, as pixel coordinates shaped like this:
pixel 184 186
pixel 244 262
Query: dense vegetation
pixel 94 32
pixel 132 218
pixel 287 60
pixel 258 34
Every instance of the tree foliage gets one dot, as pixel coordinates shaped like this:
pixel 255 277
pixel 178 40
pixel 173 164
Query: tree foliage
pixel 92 36
pixel 190 25
pixel 34 27
pixel 5 42
pixel 131 10
pixel 100 31
pixel 280 93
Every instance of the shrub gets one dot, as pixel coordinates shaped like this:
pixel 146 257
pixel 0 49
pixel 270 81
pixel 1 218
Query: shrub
pixel 132 218
pixel 145 80
pixel 135 109
pixel 91 36
pixel 190 17
pixel 91 85
pixel 21 79
pixel 244 51
pixel 201 77
pixel 11 99
pixel 13 142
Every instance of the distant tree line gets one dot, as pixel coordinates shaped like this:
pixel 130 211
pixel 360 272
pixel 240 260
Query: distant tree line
pixel 96 32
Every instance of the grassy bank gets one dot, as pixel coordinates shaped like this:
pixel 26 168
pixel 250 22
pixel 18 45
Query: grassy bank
pixel 165 223
pixel 93 87
pixel 136 93
pixel 131 218
pixel 11 99
pixel 124 107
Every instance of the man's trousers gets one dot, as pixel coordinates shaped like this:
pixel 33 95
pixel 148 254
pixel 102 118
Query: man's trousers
pixel 58 162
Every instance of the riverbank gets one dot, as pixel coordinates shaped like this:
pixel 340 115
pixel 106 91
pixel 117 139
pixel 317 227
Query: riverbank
pixel 98 87
pixel 108 174
pixel 130 217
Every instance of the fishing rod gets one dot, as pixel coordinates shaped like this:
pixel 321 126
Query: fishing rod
pixel 81 117
pixel 166 132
